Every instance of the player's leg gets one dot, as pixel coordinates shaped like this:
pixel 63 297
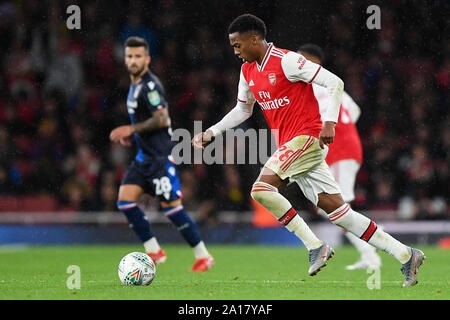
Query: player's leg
pixel 294 157
pixel 341 214
pixel 265 192
pixel 170 195
pixel 127 203
pixel 369 257
pixel 132 187
pixel 189 231
pixel 344 172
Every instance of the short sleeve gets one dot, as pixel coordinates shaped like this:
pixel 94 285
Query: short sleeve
pixel 297 68
pixel 245 95
pixel 154 99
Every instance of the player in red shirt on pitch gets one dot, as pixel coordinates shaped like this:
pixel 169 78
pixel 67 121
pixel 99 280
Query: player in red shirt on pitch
pixel 344 155
pixel 280 81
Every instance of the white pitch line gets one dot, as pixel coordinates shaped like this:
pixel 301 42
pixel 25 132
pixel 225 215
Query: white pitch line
pixel 13 247
pixel 170 282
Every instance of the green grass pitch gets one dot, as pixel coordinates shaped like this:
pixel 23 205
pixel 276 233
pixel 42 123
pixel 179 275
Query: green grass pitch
pixel 244 272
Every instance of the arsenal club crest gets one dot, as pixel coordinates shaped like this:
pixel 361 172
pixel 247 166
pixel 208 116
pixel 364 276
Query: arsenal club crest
pixel 272 78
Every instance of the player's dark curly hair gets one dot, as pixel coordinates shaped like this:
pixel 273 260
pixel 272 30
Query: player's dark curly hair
pixel 137 42
pixel 248 22
pixel 313 49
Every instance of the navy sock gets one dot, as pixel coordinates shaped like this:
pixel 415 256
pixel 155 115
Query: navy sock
pixel 137 219
pixel 184 224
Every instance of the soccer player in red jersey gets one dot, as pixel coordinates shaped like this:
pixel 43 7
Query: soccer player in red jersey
pixel 344 155
pixel 280 81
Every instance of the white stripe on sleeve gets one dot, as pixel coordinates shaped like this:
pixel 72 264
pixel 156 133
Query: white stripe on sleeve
pixel 297 68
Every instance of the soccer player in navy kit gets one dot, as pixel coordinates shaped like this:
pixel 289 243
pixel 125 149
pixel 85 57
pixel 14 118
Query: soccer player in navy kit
pixel 153 170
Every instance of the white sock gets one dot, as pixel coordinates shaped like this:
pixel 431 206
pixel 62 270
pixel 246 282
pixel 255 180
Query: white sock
pixel 269 197
pixel 386 242
pixel 322 213
pixel 299 227
pixel 152 245
pixel 200 251
pixel 363 247
pixel 366 229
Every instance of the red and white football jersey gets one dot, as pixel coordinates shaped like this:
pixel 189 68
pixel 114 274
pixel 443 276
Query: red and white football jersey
pixel 347 144
pixel 282 87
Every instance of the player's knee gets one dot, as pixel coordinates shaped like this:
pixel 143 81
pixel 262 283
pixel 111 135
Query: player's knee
pixel 329 202
pixel 129 193
pixel 255 194
pixel 259 191
pixel 171 204
pixel 125 205
pixel 171 210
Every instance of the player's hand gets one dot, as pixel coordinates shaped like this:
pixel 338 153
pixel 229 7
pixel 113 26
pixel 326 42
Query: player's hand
pixel 326 136
pixel 126 142
pixel 200 140
pixel 122 135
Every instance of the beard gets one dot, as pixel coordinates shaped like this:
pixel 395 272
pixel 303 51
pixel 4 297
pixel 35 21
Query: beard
pixel 136 73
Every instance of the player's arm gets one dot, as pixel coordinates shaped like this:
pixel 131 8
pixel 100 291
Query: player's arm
pixel 122 134
pixel 160 119
pixel 156 102
pixel 241 112
pixel 353 109
pixel 298 68
pixel 235 117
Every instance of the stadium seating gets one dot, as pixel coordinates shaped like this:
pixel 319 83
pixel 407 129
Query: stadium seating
pixel 29 203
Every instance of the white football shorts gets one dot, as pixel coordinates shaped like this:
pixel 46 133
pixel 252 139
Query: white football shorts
pixel 301 160
pixel 318 180
pixel 344 172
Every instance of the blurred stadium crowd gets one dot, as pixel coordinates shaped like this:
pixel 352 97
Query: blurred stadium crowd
pixel 62 91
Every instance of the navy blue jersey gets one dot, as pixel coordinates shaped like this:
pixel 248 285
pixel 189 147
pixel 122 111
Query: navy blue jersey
pixel 144 98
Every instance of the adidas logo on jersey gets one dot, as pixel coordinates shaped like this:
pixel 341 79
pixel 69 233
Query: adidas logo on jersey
pixel 251 83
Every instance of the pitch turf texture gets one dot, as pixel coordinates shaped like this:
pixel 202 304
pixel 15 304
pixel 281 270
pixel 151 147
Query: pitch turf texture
pixel 240 273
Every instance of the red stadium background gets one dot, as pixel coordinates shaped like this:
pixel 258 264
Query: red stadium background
pixel 63 90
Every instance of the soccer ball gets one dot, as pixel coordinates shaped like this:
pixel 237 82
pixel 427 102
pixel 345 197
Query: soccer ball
pixel 136 269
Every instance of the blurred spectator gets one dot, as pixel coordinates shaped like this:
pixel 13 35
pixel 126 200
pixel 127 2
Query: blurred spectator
pixel 108 192
pixel 64 73
pixel 62 91
pixel 77 195
pixel 230 196
pixel 136 27
pixel 7 184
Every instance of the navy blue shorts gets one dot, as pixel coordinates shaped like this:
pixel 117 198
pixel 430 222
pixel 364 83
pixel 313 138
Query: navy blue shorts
pixel 158 179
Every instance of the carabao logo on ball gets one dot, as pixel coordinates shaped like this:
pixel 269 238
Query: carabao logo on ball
pixel 136 269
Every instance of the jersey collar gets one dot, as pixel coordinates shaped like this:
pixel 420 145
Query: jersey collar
pixel 266 58
pixel 144 78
